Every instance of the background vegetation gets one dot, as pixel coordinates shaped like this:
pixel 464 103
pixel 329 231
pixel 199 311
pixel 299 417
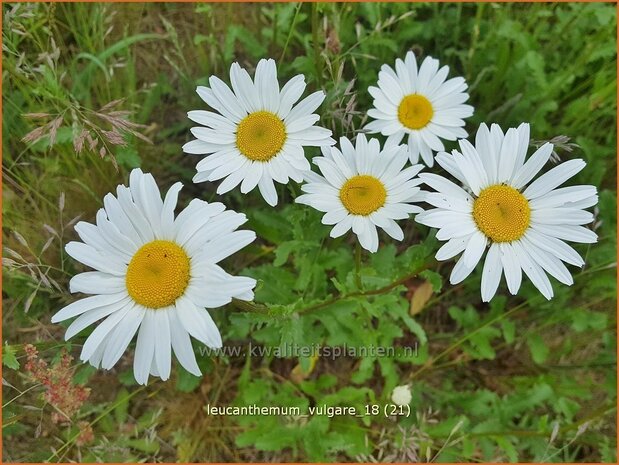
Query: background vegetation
pixel 92 90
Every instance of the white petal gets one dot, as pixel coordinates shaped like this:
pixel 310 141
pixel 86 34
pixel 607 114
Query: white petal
pixel 198 323
pixel 450 203
pixel 533 270
pixel 117 215
pixel 334 216
pixel 91 316
pixel 200 147
pixel 211 287
pixel 563 196
pixel 511 267
pixel 452 247
pixel 192 221
pixel 553 178
pixel 290 94
pixel 89 256
pixel 118 340
pixel 181 343
pixel 567 232
pixel 224 246
pixel 211 100
pixel 267 189
pixel 563 216
pixel 254 173
pixel 532 166
pixel 426 153
pixel 342 227
pixel 438 218
pixel 102 330
pixel 551 264
pixel 212 120
pixel 219 225
pixel 491 274
pixel 394 230
pixel 90 303
pixel 95 282
pixel 306 106
pixel 167 211
pixel 460 271
pixel 244 88
pixel 135 214
pixel 163 347
pixel 226 98
pixel 145 347
pixel 485 150
pixel 508 156
pixel 555 246
pixel 474 249
pixel 232 180
pixel 266 84
pixel 220 139
pixel 445 186
pixel 524 138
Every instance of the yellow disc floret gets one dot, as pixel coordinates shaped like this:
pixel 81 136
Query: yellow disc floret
pixel 158 274
pixel 363 194
pixel 502 213
pixel 260 135
pixel 415 111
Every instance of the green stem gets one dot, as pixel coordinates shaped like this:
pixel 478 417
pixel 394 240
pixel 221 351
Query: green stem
pixel 358 264
pixel 317 59
pixel 294 21
pixel 259 308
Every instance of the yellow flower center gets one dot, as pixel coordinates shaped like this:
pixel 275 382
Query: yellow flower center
pixel 363 194
pixel 158 274
pixel 415 111
pixel 502 213
pixel 260 135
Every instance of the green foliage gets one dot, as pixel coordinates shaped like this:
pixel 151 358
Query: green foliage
pixel 9 359
pixel 520 379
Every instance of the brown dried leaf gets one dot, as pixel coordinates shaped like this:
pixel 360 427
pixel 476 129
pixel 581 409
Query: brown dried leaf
pixel 420 297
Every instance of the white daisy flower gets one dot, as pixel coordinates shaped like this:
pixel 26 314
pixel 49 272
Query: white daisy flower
pixel 420 103
pixel 258 134
pixel 363 187
pixel 524 222
pixel 155 275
